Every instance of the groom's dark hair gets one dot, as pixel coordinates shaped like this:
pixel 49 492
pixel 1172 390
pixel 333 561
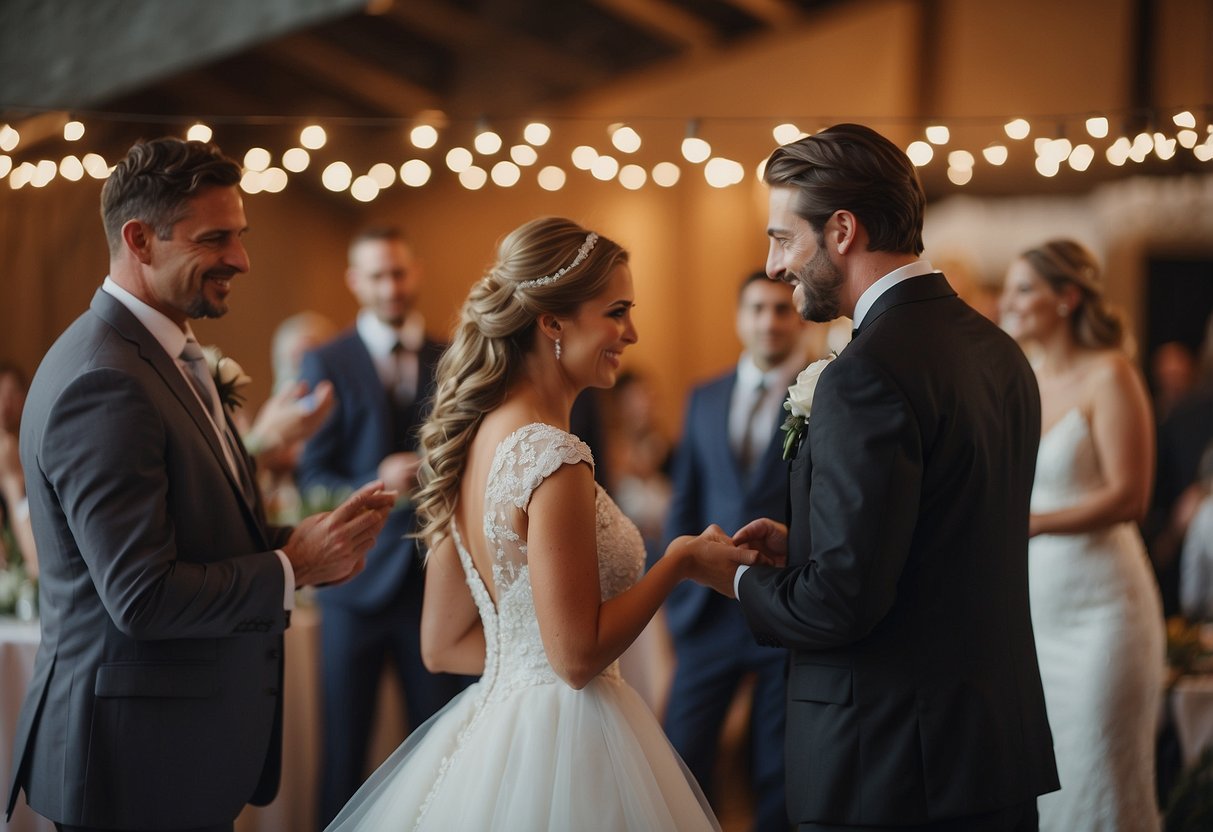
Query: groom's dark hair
pixel 852 167
pixel 156 179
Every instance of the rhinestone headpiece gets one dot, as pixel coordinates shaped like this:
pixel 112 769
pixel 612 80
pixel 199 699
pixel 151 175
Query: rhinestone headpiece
pixel 591 240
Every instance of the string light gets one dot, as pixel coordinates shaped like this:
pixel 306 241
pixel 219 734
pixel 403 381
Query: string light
pixel 313 137
pixel 551 178
pixel 423 136
pixel 415 173
pixel 1192 135
pixel 537 133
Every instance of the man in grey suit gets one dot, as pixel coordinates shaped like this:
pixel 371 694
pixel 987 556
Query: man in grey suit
pixel 156 699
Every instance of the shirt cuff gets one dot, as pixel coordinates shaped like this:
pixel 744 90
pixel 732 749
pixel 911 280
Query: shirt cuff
pixel 21 510
pixel 288 582
pixel 737 580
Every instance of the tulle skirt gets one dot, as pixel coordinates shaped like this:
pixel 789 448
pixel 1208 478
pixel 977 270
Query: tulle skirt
pixel 543 757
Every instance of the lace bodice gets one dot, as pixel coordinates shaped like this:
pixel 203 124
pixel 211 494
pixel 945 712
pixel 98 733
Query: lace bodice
pixel 514 654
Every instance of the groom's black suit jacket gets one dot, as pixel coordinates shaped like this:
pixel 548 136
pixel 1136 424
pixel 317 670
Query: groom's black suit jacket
pixel 914 693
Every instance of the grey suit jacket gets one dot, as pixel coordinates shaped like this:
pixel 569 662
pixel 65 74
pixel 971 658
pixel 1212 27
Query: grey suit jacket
pixel 156 695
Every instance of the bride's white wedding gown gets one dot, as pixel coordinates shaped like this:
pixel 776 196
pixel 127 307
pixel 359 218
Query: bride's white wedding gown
pixel 1100 639
pixel 520 749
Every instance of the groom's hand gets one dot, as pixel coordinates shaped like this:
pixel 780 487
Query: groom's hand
pixel 714 559
pixel 330 548
pixel 769 537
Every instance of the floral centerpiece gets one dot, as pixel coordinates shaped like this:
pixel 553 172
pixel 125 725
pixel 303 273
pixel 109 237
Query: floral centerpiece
pixel 18 591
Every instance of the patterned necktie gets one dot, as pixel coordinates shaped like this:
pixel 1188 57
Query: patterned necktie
pixel 195 363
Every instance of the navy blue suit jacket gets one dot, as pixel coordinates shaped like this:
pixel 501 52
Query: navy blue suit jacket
pixel 709 487
pixel 345 454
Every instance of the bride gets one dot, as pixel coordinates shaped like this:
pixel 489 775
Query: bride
pixel 1096 611
pixel 534 576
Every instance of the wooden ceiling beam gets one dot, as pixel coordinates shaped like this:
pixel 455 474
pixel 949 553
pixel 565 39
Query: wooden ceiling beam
pixel 665 21
pixel 465 33
pixel 353 75
pixel 773 13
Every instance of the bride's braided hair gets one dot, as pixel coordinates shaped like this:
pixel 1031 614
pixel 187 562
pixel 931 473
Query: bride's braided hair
pixel 496 327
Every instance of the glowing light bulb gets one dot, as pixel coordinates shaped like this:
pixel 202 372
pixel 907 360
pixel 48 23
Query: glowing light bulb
pixel 313 137
pixel 1017 128
pixel 537 133
pixel 920 153
pixel 666 174
pixel 415 173
pixel 695 150
pixel 74 130
pixel 423 136
pixel 551 178
pixel 938 134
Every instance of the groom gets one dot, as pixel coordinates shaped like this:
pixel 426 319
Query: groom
pixel 914 698
pixel 156 699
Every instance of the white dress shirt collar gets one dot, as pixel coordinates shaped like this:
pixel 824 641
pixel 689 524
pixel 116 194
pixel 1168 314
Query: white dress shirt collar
pixel 380 338
pixel 870 295
pixel 167 334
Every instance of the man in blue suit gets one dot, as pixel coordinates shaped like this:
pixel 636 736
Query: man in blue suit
pixel 729 470
pixel 383 372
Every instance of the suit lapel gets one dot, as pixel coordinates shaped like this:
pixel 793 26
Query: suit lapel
pixel 368 387
pixel 150 350
pixel 930 286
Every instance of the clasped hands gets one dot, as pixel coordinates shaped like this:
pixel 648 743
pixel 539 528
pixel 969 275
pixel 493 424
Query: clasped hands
pixel 330 547
pixel 713 556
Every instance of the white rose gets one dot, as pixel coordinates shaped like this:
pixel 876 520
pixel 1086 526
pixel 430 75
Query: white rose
pixel 230 374
pixel 800 394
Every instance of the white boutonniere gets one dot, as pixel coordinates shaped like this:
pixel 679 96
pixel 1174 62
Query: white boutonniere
pixel 800 403
pixel 229 377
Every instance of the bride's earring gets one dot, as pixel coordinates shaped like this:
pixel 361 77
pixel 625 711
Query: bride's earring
pixel 557 349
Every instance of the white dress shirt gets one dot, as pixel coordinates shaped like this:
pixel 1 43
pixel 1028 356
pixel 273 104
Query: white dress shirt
pixel 776 382
pixel 380 339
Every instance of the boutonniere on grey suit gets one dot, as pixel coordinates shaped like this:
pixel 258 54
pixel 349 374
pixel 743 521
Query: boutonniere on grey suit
pixel 799 404
pixel 230 378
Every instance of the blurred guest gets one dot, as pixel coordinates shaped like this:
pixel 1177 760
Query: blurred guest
pixel 14 508
pixel 290 416
pixel 640 455
pixel 1196 559
pixel 383 372
pixel 729 470
pixel 1173 372
pixel 1095 606
pixel 1182 436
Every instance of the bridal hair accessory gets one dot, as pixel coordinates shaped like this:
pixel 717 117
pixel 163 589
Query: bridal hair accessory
pixel 557 349
pixel 590 240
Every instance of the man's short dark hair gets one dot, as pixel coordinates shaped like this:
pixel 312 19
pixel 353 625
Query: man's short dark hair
pixel 752 277
pixel 377 233
pixel 851 167
pixel 156 180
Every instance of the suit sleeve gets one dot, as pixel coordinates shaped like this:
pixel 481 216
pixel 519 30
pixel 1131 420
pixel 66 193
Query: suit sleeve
pixel 686 477
pixel 323 462
pixel 866 481
pixel 116 504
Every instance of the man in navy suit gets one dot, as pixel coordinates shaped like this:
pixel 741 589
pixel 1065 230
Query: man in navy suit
pixel 383 373
pixel 728 470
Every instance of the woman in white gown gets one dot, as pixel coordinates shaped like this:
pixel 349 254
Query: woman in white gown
pixel 534 578
pixel 1096 611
